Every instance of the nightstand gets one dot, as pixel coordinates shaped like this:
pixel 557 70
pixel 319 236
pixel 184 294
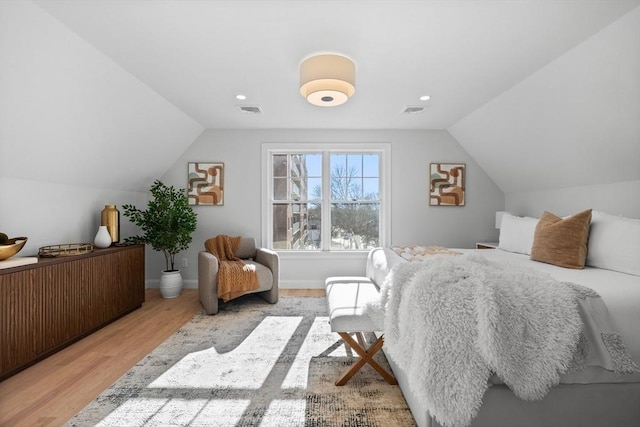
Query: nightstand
pixel 486 245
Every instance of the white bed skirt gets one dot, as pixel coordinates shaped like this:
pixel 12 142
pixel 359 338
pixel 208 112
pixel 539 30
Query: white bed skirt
pixel 567 405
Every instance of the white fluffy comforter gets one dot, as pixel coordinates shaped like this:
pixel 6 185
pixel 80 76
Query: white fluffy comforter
pixel 450 322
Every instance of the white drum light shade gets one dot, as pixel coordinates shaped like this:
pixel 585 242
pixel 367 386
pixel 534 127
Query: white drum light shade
pixel 327 80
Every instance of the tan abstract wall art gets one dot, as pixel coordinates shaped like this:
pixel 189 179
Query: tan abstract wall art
pixel 206 184
pixel 447 184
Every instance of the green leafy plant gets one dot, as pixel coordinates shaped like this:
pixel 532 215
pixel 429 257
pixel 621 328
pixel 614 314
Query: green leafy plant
pixel 167 223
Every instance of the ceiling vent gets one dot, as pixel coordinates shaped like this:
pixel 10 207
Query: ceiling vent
pixel 412 110
pixel 250 109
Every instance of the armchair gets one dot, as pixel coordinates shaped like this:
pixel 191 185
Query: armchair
pixel 267 267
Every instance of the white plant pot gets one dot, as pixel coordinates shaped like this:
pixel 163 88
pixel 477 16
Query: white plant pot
pixel 170 283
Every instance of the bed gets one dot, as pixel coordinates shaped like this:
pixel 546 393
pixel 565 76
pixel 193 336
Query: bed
pixel 592 396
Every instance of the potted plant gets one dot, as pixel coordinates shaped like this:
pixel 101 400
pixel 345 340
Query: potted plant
pixel 167 225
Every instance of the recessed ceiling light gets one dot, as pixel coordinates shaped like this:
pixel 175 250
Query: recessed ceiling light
pixel 241 97
pixel 425 98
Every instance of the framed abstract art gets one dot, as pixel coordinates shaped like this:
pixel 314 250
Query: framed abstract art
pixel 206 184
pixel 447 187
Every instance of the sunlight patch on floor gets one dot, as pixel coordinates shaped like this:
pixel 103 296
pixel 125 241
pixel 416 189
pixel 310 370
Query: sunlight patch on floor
pixel 226 412
pixel 245 367
pixel 242 372
pixel 318 341
pixel 176 412
pixel 292 410
pixel 133 412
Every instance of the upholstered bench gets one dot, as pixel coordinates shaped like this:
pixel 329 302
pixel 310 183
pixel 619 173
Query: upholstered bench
pixel 346 299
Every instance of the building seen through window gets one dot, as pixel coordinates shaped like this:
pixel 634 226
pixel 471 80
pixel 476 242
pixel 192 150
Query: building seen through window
pixel 334 211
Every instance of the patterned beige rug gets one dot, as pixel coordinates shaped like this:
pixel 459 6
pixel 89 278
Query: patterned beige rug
pixel 252 364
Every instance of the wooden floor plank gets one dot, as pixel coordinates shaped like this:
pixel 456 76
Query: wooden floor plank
pixel 55 389
pixel 303 292
pixel 52 391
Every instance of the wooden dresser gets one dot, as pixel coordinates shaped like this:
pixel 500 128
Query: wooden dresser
pixel 47 306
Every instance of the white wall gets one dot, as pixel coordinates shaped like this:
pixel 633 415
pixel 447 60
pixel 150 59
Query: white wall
pixel 51 214
pixel 413 221
pixel 620 198
pixel 573 123
pixel 76 131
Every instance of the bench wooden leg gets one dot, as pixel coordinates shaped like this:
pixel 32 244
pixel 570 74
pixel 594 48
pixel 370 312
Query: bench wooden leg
pixel 366 356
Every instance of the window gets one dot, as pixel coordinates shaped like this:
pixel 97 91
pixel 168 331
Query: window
pixel 330 198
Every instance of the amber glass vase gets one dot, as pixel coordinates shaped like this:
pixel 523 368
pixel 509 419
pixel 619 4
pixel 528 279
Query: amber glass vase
pixel 110 217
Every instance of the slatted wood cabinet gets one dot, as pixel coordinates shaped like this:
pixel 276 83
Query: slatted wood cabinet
pixel 47 306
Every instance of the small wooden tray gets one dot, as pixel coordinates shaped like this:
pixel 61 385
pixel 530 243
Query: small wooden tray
pixel 65 249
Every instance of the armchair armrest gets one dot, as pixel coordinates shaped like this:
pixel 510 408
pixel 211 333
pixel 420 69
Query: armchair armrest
pixel 208 281
pixel 270 259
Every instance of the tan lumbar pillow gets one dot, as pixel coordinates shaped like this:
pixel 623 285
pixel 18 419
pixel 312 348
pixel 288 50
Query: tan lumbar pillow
pixel 562 242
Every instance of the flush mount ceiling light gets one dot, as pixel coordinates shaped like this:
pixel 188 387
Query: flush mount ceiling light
pixel 327 80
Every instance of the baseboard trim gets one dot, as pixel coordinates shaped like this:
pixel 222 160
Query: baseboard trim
pixel 284 284
pixel 155 284
pixel 301 284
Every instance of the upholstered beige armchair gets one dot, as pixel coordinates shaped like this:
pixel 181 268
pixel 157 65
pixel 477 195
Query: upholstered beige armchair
pixel 267 266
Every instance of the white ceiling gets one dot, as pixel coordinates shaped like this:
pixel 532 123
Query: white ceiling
pixel 200 54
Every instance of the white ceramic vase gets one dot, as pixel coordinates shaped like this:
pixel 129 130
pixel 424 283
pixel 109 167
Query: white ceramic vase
pixel 170 283
pixel 103 238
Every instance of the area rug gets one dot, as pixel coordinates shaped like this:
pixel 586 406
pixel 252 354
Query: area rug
pixel 252 364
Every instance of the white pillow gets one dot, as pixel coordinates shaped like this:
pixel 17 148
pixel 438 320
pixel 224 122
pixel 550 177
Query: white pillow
pixel 516 233
pixel 614 243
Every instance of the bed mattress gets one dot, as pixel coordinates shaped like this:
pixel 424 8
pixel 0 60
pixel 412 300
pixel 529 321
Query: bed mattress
pixel 620 292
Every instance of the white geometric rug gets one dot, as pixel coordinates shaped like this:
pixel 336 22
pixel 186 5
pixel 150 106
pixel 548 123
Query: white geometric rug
pixel 252 364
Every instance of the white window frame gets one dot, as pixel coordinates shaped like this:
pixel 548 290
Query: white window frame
pixel 269 149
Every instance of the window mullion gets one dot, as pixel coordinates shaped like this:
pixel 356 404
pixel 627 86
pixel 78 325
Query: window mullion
pixel 326 202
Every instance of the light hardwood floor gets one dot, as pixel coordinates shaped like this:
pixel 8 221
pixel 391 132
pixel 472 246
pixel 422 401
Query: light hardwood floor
pixel 52 391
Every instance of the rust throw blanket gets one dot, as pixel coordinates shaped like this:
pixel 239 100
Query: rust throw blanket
pixel 234 277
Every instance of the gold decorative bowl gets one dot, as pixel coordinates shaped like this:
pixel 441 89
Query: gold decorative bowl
pixel 12 247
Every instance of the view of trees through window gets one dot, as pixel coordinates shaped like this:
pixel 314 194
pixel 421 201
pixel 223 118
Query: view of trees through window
pixel 346 201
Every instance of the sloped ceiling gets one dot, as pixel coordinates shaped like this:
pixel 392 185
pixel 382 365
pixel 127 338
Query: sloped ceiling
pixel 70 115
pixel 575 122
pixel 176 66
pixel 200 54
